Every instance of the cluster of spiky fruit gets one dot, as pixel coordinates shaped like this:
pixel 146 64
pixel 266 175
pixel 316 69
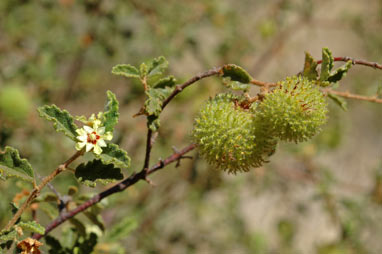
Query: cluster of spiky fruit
pixel 235 135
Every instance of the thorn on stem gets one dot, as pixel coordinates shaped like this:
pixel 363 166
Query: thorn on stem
pixel 150 182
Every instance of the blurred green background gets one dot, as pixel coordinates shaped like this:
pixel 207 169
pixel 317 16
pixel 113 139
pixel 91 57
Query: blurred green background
pixel 322 196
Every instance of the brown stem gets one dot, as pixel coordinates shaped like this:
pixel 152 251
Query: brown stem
pixel 179 88
pixel 354 96
pixel 261 83
pixel 149 145
pixel 35 192
pixel 355 61
pixel 131 180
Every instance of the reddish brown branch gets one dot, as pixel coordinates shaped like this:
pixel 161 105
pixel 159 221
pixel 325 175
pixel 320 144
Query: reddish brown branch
pixel 354 96
pixel 356 61
pixel 179 88
pixel 131 180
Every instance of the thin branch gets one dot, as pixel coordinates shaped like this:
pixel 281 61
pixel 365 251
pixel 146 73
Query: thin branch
pixel 149 145
pixel 263 84
pixel 35 192
pixel 131 180
pixel 61 204
pixel 354 96
pixel 179 88
pixel 356 61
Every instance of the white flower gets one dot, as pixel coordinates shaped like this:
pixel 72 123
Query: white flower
pixel 93 121
pixel 92 138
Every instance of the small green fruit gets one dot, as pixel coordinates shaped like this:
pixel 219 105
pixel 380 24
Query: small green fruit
pixel 294 111
pixel 14 103
pixel 227 136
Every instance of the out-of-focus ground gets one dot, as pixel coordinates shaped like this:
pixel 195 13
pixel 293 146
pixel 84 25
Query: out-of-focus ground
pixel 314 197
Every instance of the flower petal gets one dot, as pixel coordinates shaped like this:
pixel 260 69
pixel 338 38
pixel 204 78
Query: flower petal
pixel 88 129
pixel 81 132
pixel 89 147
pixel 82 138
pixel 101 131
pixel 96 123
pixel 80 145
pixel 107 136
pixel 97 149
pixel 101 143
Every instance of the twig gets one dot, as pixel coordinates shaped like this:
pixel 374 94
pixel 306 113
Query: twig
pixel 179 88
pixel 149 145
pixel 354 96
pixel 263 84
pixel 355 61
pixel 61 204
pixel 131 180
pixel 35 192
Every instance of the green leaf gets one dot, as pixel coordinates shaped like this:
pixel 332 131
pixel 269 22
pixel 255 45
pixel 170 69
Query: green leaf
pixel 156 67
pixel 95 171
pixel 122 229
pixel 126 70
pixel 113 154
pixel 6 236
pixel 111 114
pixel 339 73
pixel 169 81
pixel 327 64
pixel 12 165
pixel 143 70
pixel 153 123
pixel 310 67
pixel 339 101
pixel 62 120
pixel 236 73
pixel 237 85
pixel 32 226
pixel 154 102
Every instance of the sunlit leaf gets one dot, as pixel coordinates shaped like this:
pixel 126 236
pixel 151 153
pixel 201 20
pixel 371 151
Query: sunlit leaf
pixel 6 236
pixel 327 64
pixel 11 165
pixel 235 85
pixel 32 226
pixel 169 81
pixel 126 70
pixel 236 73
pixel 62 120
pixel 156 67
pixel 154 102
pixel 113 154
pixel 310 67
pixel 111 114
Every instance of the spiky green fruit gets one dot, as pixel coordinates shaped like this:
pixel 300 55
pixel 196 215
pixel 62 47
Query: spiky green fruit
pixel 227 136
pixel 294 111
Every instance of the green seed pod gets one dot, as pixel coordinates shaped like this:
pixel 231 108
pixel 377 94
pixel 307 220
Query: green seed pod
pixel 227 137
pixel 294 111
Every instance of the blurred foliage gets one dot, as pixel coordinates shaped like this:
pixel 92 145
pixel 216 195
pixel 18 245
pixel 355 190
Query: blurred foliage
pixel 322 196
